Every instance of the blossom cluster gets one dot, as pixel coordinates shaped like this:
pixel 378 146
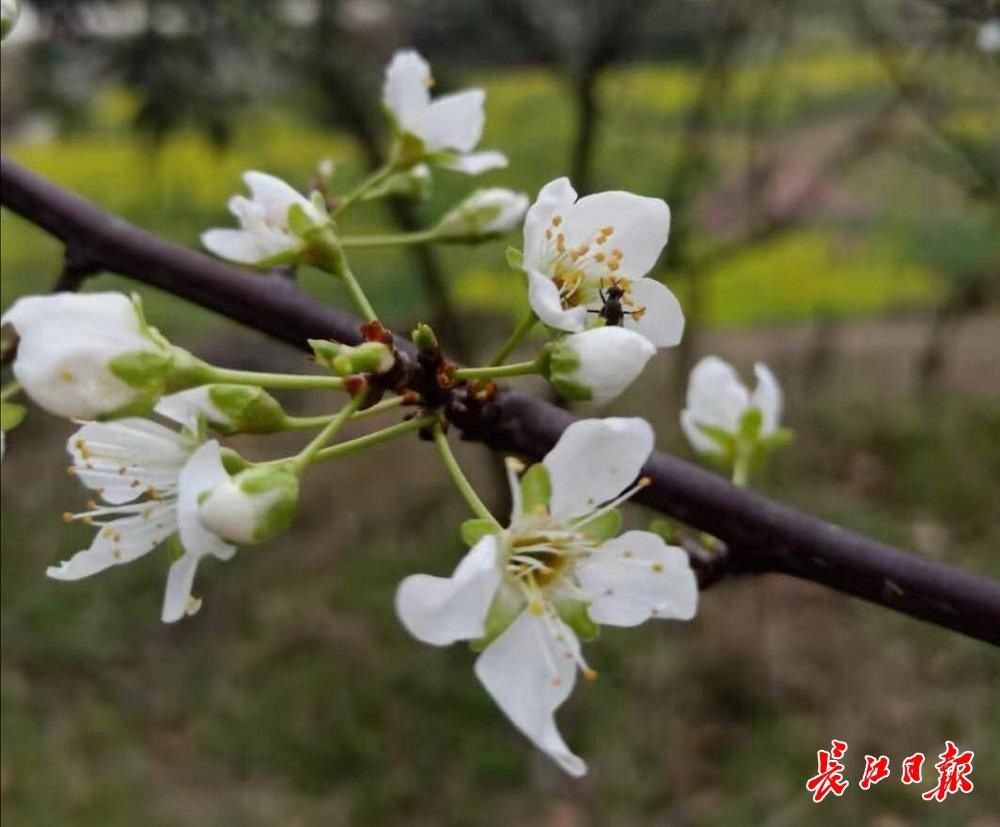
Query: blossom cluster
pixel 152 417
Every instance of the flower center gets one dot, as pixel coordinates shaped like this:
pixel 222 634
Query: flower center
pixel 579 271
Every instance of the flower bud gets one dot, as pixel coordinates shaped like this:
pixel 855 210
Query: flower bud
pixel 253 506
pixel 414 183
pixel 597 364
pixel 231 409
pixel 89 355
pixel 425 339
pixel 348 360
pixel 485 212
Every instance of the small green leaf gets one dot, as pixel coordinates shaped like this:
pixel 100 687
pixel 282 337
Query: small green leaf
pixel 515 258
pixel 142 369
pixel 665 529
pixel 720 436
pixel 750 424
pixel 11 415
pixel 575 615
pixel 299 221
pixel 504 609
pixel 605 527
pixel 475 529
pixel 536 489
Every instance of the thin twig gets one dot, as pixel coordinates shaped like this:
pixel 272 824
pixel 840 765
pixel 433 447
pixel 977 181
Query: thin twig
pixel 760 534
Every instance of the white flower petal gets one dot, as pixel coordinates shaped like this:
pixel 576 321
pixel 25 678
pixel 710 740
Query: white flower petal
pixel 96 310
pixel 275 196
pixel 638 576
pixel 640 225
pixel 203 471
pixel 454 121
pixel 233 245
pixel 716 396
pixel 476 163
pixel 556 197
pixel 185 407
pixel 406 90
pixel 543 296
pixel 594 461
pixel 124 458
pixel 121 541
pixel 663 320
pixel 180 581
pixel 701 443
pixel 527 673
pixel 441 610
pixel 767 397
pixel 610 359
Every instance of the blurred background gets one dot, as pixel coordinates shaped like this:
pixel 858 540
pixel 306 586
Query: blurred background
pixel 833 167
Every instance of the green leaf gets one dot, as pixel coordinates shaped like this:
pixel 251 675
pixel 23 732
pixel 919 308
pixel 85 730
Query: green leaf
pixel 142 369
pixel 172 545
pixel 515 258
pixel 605 527
pixel 720 436
pixel 750 424
pixel 504 609
pixel 536 489
pixel 299 221
pixel 575 615
pixel 11 415
pixel 475 529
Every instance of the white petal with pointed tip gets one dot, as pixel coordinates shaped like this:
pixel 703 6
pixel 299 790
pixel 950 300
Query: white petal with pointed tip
pixel 454 121
pixel 767 397
pixel 555 198
pixel 594 461
pixel 476 163
pixel 406 90
pixel 527 673
pixel 640 225
pixel 543 296
pixel 638 576
pixel 442 610
pixel 662 321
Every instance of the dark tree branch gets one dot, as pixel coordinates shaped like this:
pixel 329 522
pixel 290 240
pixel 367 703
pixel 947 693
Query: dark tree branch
pixel 760 534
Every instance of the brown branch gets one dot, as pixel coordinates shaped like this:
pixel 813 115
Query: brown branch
pixel 760 534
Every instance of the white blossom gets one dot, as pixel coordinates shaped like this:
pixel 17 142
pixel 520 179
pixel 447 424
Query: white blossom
pixel 597 364
pixel 988 36
pixel 718 402
pixel 84 355
pixel 485 212
pixel 272 223
pixel 150 478
pixel 527 593
pixel 446 129
pixel 575 248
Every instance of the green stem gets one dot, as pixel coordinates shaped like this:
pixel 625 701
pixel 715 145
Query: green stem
pixel 741 467
pixel 306 455
pixel 395 240
pixel 368 183
pixel 523 328
pixel 302 423
pixel 455 472
pixel 332 260
pixel 9 390
pixel 211 374
pixel 499 371
pixel 352 446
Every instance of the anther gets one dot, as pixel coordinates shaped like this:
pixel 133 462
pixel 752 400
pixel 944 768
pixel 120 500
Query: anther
pixel 556 220
pixel 608 230
pixel 657 567
pixel 67 516
pixel 536 608
pixel 590 675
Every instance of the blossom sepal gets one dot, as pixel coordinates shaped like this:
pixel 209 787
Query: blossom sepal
pixel 475 529
pixel 253 506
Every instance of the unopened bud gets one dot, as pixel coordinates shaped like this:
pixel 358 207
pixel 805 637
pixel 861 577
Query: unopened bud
pixel 484 213
pixel 424 338
pixel 253 506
